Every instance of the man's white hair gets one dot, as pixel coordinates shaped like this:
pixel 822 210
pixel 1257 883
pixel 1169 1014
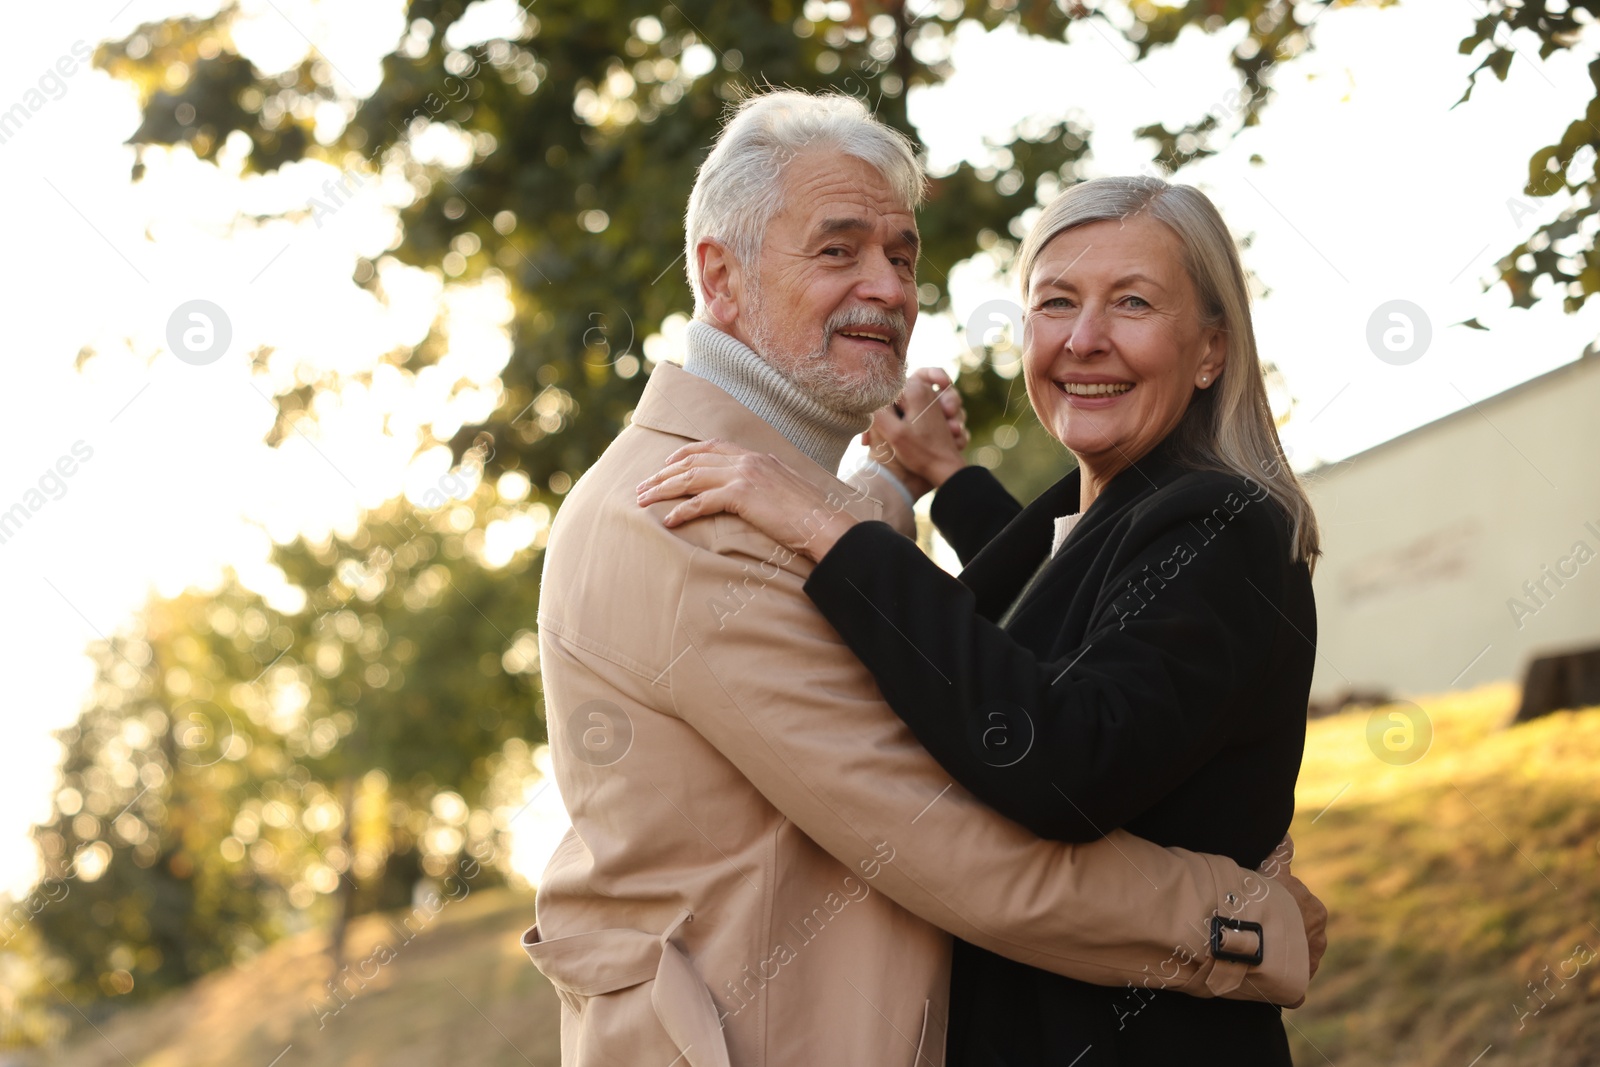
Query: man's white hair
pixel 739 188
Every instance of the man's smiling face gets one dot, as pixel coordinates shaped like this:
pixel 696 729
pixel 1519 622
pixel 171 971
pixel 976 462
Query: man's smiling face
pixel 835 298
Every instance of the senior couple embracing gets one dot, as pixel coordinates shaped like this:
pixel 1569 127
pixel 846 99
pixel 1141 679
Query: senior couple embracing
pixel 832 805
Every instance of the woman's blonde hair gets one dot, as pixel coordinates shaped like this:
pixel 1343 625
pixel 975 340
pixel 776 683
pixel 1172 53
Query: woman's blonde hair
pixel 1228 427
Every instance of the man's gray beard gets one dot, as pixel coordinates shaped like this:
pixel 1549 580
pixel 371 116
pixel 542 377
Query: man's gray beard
pixel 811 373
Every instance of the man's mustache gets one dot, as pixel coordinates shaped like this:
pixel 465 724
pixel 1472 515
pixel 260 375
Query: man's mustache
pixel 857 317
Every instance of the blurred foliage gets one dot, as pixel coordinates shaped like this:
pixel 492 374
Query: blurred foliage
pixel 1278 33
pixel 1561 250
pixel 243 772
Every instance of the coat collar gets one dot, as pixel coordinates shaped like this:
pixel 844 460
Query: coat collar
pixel 684 405
pixel 999 572
pixel 1150 472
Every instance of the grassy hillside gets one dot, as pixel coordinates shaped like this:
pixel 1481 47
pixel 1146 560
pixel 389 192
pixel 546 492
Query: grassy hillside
pixel 1453 881
pixel 459 991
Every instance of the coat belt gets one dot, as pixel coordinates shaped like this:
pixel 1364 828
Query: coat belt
pixel 604 961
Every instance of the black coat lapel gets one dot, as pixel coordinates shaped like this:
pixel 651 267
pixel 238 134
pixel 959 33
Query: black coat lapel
pixel 997 574
pixel 1002 570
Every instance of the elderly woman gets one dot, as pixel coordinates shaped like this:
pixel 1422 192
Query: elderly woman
pixel 1134 648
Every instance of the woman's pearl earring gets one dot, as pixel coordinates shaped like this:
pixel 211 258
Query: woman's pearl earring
pixel 1204 378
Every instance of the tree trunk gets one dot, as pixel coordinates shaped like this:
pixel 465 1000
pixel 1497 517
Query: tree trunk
pixel 345 895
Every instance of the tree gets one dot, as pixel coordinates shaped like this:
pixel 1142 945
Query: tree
pixel 1561 250
pixel 243 772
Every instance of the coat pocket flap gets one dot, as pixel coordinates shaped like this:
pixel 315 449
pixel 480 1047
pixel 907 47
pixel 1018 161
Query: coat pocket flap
pixel 604 961
pixel 596 962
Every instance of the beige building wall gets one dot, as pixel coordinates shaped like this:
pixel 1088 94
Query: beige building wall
pixel 1434 539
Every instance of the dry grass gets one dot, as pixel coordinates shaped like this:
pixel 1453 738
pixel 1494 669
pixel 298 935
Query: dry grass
pixel 460 991
pixel 1454 882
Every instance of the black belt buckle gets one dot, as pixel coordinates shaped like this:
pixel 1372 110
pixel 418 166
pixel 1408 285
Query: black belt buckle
pixel 1221 922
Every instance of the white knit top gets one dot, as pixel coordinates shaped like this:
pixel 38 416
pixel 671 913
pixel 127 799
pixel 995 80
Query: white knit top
pixel 1064 526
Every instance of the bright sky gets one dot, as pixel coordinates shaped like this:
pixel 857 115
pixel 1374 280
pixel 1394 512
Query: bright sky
pixel 1372 190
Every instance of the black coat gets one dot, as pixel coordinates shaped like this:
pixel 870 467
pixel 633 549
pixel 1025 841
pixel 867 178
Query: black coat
pixel 1153 677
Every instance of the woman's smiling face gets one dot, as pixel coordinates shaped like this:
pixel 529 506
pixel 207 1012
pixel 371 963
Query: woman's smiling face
pixel 1114 346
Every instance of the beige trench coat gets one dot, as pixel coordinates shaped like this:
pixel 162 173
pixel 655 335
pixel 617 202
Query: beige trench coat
pixel 764 864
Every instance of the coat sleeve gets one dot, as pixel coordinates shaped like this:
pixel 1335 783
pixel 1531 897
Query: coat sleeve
pixel 878 482
pixel 970 508
pixel 771 685
pixel 1079 744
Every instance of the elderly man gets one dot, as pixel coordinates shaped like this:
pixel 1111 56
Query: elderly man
pixel 764 866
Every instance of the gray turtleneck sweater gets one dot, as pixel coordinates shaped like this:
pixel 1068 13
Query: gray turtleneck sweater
pixel 736 369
